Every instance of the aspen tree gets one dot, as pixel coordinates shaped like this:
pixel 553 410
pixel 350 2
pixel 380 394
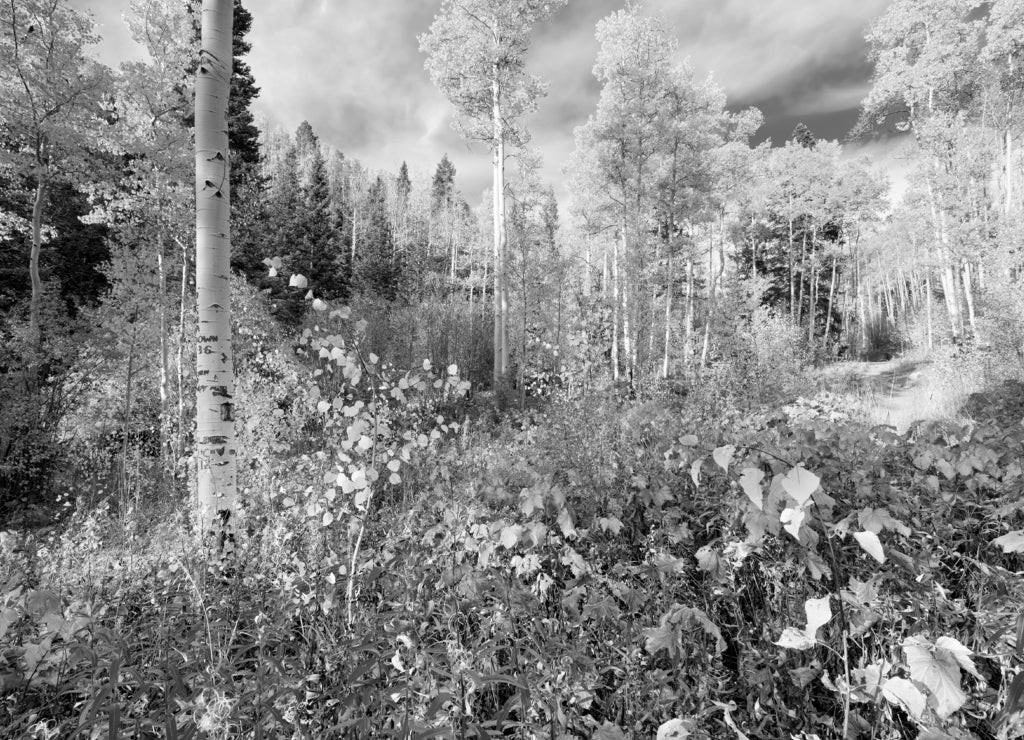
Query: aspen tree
pixel 216 461
pixel 476 53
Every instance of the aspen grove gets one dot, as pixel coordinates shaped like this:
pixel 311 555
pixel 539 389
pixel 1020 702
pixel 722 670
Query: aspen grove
pixel 512 369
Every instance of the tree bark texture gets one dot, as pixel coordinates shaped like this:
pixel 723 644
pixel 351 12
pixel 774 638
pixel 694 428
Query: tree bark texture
pixel 216 461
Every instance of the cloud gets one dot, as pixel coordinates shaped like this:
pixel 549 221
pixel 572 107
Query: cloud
pixel 354 70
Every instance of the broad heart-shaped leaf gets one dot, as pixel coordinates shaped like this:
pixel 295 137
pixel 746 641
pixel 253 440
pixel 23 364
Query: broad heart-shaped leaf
pixel 938 671
pixel 870 543
pixel 800 483
pixel 795 639
pixel 1012 542
pixel 791 520
pixel 903 692
pixel 750 482
pixel 723 456
pixel 510 536
pixel 960 652
pixel 818 613
pixel 675 729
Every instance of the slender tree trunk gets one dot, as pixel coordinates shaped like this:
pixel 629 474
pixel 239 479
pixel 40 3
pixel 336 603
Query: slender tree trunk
pixel 588 271
pixel 165 445
pixel 949 287
pixel 216 462
pixel 604 273
pixel 500 238
pixel 180 446
pixel 615 309
pixel 792 276
pixel 623 281
pixel 668 302
pixel 969 298
pixel 1009 173
pixel 831 297
pixel 803 278
pixel 688 323
pixel 36 302
pixel 126 424
pixel 813 302
pixel 928 303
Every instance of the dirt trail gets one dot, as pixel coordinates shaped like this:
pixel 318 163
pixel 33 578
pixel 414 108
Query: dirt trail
pixel 893 391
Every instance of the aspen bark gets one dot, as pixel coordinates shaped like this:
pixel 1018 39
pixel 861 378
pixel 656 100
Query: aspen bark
pixel 668 303
pixel 216 462
pixel 615 309
pixel 831 298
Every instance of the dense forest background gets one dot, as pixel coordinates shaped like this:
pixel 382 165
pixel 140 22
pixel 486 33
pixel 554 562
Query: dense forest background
pixel 726 445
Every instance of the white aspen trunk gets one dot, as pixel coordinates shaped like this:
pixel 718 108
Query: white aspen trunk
pixel 1009 173
pixel 713 278
pixel 500 240
pixel 588 272
pixel 126 424
pixel 164 351
pixel 627 340
pixel 969 298
pixel 862 311
pixel 604 273
pixel 180 445
pixel 216 461
pixel 355 235
pixel 668 303
pixel 789 256
pixel 928 310
pixel 831 304
pixel 949 287
pixel 615 309
pixel 688 326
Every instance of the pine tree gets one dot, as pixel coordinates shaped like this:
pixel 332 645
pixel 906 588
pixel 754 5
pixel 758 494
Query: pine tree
pixel 403 184
pixel 377 270
pixel 317 255
pixel 803 136
pixel 443 189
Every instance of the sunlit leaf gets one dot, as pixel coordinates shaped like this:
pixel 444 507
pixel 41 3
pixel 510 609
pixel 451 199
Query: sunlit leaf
pixel 819 613
pixel 870 543
pixel 510 536
pixel 791 520
pixel 676 729
pixel 750 482
pixel 795 639
pixel 903 692
pixel 1011 542
pixel 800 483
pixel 723 456
pixel 938 671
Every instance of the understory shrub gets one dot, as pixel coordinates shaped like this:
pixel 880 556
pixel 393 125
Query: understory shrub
pixel 595 568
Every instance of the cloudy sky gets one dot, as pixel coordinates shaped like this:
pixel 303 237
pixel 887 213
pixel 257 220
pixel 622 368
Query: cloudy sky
pixel 353 69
